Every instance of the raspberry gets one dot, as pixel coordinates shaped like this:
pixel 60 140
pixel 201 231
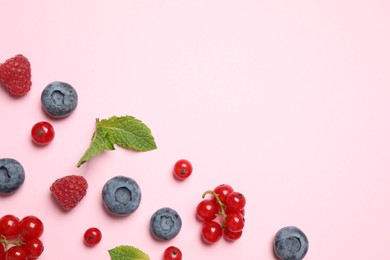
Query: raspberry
pixel 69 190
pixel 15 75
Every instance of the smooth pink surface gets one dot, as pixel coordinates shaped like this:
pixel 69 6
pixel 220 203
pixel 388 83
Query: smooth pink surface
pixel 287 101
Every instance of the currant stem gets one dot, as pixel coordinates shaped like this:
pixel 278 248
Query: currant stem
pixel 216 196
pixel 6 242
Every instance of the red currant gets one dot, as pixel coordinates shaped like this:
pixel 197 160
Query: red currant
pixel 9 226
pixel 231 236
pixel 235 201
pixel 92 236
pixel 223 190
pixel 211 232
pixel 2 249
pixel 42 133
pixel 182 169
pixel 228 210
pixel 172 253
pixel 207 210
pixel 16 253
pixel 234 222
pixel 33 248
pixel 30 227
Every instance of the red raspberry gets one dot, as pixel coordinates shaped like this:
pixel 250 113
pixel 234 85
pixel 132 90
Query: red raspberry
pixel 69 190
pixel 15 75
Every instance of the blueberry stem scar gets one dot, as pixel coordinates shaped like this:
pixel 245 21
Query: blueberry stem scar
pixel 5 171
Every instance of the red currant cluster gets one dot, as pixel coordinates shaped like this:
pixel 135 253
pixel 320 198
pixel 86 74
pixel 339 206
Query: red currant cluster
pixel 19 239
pixel 222 214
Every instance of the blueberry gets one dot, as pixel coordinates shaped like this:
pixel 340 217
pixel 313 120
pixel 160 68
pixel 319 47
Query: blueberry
pixel 59 99
pixel 165 224
pixel 121 195
pixel 290 243
pixel 11 176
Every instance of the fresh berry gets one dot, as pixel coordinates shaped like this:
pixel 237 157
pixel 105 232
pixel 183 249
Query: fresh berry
pixel 92 236
pixel 235 201
pixel 2 251
pixel 207 210
pixel 211 232
pixel 223 190
pixel 172 253
pixel 290 243
pixel 9 226
pixel 234 222
pixel 2 248
pixel 33 248
pixel 30 227
pixel 11 175
pixel 15 75
pixel 16 253
pixel 121 195
pixel 20 239
pixel 182 169
pixel 226 218
pixel 231 236
pixel 165 224
pixel 69 190
pixel 241 211
pixel 42 133
pixel 59 99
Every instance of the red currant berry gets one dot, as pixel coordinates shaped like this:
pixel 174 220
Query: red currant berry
pixel 92 236
pixel 172 253
pixel 33 248
pixel 234 222
pixel 9 226
pixel 211 232
pixel 207 210
pixel 182 169
pixel 16 253
pixel 242 211
pixel 223 190
pixel 231 236
pixel 2 249
pixel 30 227
pixel 42 133
pixel 235 201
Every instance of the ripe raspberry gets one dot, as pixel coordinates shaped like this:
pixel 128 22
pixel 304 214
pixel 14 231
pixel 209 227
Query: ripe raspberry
pixel 15 75
pixel 69 190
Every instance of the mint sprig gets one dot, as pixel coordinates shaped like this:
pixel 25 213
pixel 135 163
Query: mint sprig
pixel 126 131
pixel 127 253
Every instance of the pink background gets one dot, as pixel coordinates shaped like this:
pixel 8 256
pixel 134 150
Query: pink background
pixel 287 101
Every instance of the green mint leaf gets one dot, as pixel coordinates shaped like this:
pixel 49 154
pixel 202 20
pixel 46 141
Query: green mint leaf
pixel 127 253
pixel 126 131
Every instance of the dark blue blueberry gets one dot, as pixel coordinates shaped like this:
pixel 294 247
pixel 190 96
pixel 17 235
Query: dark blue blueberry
pixel 121 195
pixel 59 99
pixel 165 224
pixel 11 176
pixel 290 243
